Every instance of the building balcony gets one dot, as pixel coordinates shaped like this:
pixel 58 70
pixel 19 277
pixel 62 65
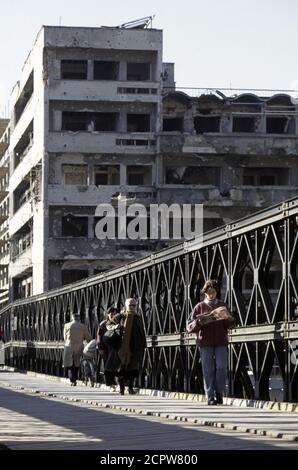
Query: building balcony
pixel 3 218
pixel 4 260
pixel 23 122
pixel 229 143
pixel 20 218
pixel 21 264
pixel 68 248
pixel 102 142
pixel 3 148
pixel 3 195
pixel 104 90
pixel 84 195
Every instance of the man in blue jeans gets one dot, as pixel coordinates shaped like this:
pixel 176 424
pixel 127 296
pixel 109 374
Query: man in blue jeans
pixel 212 340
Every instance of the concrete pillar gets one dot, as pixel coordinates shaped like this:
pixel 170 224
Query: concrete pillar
pixel 90 70
pixel 122 70
pixel 123 174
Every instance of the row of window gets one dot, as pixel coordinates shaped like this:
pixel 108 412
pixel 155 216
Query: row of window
pixel 137 122
pixel 107 175
pixel 185 175
pixel 248 124
pixel 103 122
pixel 104 70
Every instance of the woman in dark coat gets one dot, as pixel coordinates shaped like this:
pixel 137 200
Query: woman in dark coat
pixel 133 345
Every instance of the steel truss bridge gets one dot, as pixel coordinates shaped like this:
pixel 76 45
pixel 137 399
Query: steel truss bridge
pixel 255 260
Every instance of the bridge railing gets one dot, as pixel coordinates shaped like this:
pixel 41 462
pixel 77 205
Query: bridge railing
pixel 255 260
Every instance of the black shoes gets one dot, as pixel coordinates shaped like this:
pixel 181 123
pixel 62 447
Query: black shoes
pixel 216 401
pixel 212 402
pixel 131 391
pixel 219 399
pixel 73 384
pixel 122 387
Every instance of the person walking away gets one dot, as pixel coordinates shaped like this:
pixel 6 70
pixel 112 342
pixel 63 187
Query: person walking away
pixel 74 334
pixel 212 340
pixel 107 348
pixel 132 347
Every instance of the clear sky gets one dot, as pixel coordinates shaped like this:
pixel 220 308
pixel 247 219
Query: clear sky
pixel 214 43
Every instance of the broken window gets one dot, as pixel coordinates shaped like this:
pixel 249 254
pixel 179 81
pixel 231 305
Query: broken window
pixel 74 121
pixel 243 124
pixel 105 122
pixel 22 287
pixel 206 124
pixel 138 71
pixel 173 124
pixel 139 175
pixel 109 225
pixel 107 175
pixel 69 276
pixel 74 69
pixel 21 240
pixel 74 174
pixel 280 125
pixel 106 70
pixel 265 176
pixel 74 226
pixel 138 122
pixel 83 121
pixel 193 175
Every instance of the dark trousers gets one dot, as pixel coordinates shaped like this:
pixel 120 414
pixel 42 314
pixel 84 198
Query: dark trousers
pixel 72 373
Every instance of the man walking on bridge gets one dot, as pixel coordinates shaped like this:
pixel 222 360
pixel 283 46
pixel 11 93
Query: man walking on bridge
pixel 74 335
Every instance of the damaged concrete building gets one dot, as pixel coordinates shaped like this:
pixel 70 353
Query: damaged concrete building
pixel 96 116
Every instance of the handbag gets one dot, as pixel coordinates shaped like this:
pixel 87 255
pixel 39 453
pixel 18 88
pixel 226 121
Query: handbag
pixel 193 327
pixel 112 337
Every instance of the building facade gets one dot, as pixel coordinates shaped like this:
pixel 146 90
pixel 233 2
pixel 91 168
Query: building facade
pixel 4 210
pixel 96 118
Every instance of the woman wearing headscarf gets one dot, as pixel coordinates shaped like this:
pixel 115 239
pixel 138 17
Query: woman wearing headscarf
pixel 132 348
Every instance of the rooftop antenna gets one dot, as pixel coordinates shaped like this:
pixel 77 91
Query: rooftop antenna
pixel 141 23
pixel 60 19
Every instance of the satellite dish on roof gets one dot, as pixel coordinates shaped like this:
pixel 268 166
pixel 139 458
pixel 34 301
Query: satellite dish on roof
pixel 141 23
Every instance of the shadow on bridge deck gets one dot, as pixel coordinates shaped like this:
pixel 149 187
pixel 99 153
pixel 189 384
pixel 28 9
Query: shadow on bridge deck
pixel 39 413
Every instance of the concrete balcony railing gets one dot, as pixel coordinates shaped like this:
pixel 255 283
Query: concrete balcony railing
pixel 229 143
pixel 92 248
pixel 241 196
pixel 104 90
pixel 84 195
pixel 102 142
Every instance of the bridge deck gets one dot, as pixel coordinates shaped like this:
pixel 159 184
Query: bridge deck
pixel 45 413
